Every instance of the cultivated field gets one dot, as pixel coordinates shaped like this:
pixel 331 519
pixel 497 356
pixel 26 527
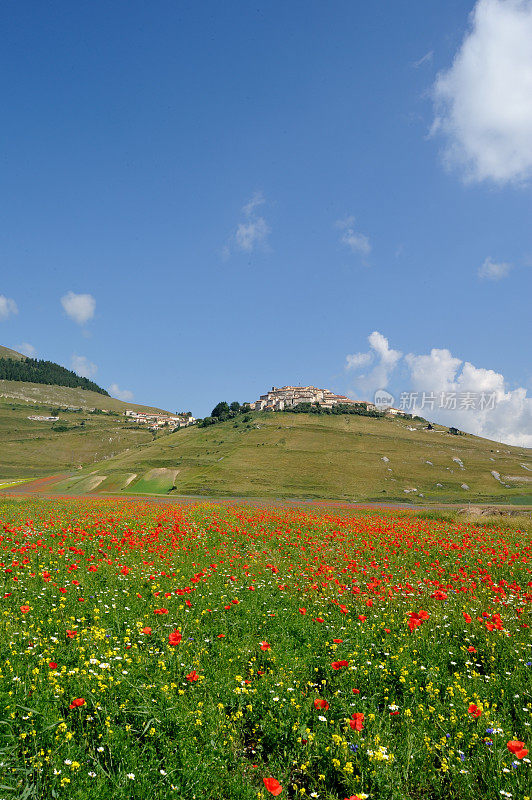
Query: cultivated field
pixel 356 458
pixel 234 652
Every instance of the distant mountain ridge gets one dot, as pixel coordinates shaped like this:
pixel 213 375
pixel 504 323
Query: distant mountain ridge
pixel 17 367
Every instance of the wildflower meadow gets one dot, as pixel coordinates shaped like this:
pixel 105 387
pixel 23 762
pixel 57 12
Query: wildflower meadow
pixel 238 652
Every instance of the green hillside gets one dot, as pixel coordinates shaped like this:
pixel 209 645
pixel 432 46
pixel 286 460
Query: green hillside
pixel 6 352
pixel 40 393
pixel 33 448
pixel 310 456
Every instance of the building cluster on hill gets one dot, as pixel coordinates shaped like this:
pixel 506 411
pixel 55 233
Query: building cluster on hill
pixel 279 399
pixel 156 421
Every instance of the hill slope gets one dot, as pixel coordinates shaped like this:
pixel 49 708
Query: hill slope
pixel 6 352
pixel 45 394
pixel 303 455
pixel 16 367
pixel 33 448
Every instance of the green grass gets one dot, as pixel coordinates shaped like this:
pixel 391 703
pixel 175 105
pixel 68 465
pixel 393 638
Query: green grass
pixel 335 457
pixel 30 448
pixel 6 352
pixel 155 481
pixel 44 395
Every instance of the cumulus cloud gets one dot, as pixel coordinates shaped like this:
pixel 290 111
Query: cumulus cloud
pixel 436 370
pixel 121 394
pixel 27 349
pixel 79 307
pixel 483 102
pixel 503 414
pixel 7 307
pixel 494 271
pixel 83 367
pixel 446 389
pixel 357 242
pixel 382 357
pixel 252 231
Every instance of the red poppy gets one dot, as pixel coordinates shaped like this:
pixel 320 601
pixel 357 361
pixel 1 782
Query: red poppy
pixel 52 665
pixel 265 646
pixel 319 702
pixel 474 710
pixel 273 786
pixel 71 634
pixel 146 631
pixel 338 641
pixel 466 617
pixel 517 748
pixel 302 610
pixel 356 723
pixel 174 638
pixel 471 649
pixel 192 676
pixel 339 664
pixel 77 703
pixel 362 618
pixel 24 609
pixel 161 611
pixel 356 691
pixel 320 619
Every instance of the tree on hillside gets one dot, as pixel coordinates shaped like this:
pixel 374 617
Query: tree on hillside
pixel 221 410
pixel 235 407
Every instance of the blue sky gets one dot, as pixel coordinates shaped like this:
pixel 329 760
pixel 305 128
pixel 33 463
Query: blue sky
pixel 248 191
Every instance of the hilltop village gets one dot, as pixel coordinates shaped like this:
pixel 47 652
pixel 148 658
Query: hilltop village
pixel 285 397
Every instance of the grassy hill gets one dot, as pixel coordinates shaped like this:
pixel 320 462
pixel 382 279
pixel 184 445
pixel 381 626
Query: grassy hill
pixel 6 352
pixel 50 395
pixel 306 456
pixel 33 448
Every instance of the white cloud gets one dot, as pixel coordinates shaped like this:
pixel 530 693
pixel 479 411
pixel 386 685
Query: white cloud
pixel 483 102
pixel 355 241
pixel 385 360
pixel 252 232
pixel 79 307
pixel 121 394
pixel 255 202
pixel 358 360
pixel 494 271
pixel 83 367
pixel 507 415
pixel 27 349
pixel 504 414
pixel 7 307
pixel 436 370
